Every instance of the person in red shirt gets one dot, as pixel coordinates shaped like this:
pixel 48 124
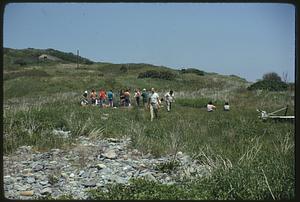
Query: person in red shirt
pixel 102 97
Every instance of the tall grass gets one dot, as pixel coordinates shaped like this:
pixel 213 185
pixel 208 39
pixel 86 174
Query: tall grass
pixel 249 159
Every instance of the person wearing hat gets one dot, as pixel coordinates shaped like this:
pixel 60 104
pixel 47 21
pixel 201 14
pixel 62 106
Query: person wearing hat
pixel 145 97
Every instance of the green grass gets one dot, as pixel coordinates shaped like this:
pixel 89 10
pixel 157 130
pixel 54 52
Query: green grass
pixel 251 159
pixel 252 150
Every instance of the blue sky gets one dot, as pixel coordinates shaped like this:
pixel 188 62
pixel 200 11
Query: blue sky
pixel 245 39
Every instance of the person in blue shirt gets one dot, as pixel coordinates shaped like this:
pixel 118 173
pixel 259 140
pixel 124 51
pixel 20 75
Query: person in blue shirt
pixel 110 96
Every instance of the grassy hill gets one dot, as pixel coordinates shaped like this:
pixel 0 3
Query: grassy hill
pixel 14 58
pixel 40 77
pixel 251 159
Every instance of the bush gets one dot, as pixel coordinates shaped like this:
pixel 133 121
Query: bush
pixel 123 69
pixel 193 71
pixel 27 60
pixel 157 74
pixel 272 76
pixel 270 85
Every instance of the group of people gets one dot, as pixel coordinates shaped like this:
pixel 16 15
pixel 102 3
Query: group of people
pixel 99 99
pixel 210 107
pixel 150 100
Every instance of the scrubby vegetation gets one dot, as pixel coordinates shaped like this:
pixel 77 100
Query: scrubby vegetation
pixel 30 56
pixel 271 76
pixel 68 57
pixel 269 85
pixel 271 81
pixel 167 75
pixel 26 73
pixel 251 159
pixel 193 71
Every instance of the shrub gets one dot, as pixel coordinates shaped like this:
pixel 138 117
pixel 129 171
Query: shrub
pixel 272 76
pixel 270 85
pixel 168 167
pixel 123 69
pixel 193 71
pixel 30 60
pixel 20 62
pixel 167 75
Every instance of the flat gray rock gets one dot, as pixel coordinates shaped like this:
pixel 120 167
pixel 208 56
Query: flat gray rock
pixel 110 154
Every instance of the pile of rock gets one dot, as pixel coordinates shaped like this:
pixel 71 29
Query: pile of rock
pixel 90 164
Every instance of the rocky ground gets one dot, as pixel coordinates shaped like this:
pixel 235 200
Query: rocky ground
pixel 89 164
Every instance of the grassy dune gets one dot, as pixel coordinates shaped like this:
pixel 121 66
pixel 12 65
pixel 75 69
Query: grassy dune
pixel 251 159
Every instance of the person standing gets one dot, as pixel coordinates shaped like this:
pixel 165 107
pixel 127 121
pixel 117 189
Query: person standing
pixel 84 100
pixel 102 96
pixel 110 97
pixel 93 97
pixel 153 104
pixel 169 99
pixel 127 98
pixel 145 97
pixel 137 95
pixel 122 98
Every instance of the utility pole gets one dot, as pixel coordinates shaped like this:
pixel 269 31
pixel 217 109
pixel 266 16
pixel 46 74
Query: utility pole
pixel 77 58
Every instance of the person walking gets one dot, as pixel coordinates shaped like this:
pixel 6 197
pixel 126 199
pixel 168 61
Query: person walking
pixel 169 99
pixel 153 104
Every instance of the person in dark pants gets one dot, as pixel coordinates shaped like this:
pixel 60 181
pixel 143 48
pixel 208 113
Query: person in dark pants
pixel 145 97
pixel 137 95
pixel 93 97
pixel 127 98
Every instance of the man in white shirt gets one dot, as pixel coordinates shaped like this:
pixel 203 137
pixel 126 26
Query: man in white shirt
pixel 153 103
pixel 169 99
